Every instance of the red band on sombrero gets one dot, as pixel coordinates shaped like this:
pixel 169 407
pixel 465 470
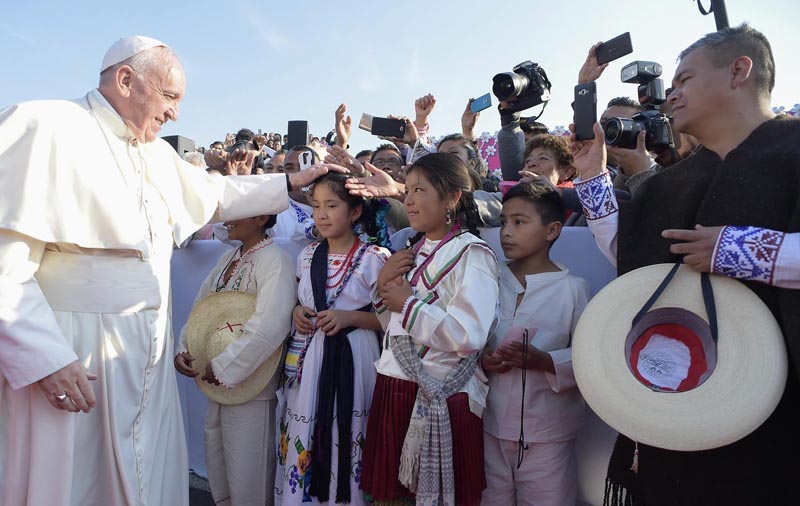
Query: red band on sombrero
pixel 672 349
pixel 672 356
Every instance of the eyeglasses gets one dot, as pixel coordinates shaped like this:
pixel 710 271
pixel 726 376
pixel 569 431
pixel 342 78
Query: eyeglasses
pixel 387 162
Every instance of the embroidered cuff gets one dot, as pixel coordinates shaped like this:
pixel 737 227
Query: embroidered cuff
pixel 597 197
pixel 409 312
pixel 747 253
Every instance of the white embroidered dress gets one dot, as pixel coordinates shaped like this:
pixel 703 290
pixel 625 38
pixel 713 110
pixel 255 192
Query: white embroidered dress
pixel 297 403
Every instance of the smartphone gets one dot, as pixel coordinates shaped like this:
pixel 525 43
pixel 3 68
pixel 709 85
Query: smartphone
pixel 298 133
pixel 481 103
pixel 615 48
pixel 365 123
pixel 387 127
pixel 585 110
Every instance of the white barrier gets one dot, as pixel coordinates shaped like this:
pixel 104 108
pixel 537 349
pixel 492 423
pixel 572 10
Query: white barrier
pixel 575 248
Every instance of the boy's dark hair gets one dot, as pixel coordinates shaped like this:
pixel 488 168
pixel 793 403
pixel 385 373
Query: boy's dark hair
pixel 271 222
pixel 364 152
pixel 546 200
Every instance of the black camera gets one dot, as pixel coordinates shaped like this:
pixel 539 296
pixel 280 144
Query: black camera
pixel 528 83
pixel 622 132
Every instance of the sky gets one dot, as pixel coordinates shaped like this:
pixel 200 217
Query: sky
pixel 261 63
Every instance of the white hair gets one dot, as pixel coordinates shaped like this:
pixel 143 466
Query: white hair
pixel 141 63
pixel 195 158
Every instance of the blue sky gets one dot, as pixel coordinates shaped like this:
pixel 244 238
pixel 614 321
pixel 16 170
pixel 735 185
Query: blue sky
pixel 259 64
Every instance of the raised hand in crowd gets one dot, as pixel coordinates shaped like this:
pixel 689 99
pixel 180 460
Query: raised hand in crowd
pixel 301 317
pixel 304 178
pixel 591 71
pixel 230 139
pixel 239 162
pixel 339 156
pixel 411 134
pixel 468 120
pixel 343 126
pixel 423 107
pixel 589 156
pixel 377 184
pixel 69 389
pixel 632 161
pixel 527 176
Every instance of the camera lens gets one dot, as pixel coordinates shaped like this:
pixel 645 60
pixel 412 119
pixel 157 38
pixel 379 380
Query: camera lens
pixel 621 132
pixel 508 85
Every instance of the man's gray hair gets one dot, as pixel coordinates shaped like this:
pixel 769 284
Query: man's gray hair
pixel 195 158
pixel 730 43
pixel 141 63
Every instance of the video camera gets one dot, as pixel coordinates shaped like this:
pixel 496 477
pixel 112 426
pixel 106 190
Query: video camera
pixel 622 132
pixel 527 82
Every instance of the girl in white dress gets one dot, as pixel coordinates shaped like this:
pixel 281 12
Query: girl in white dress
pixel 329 371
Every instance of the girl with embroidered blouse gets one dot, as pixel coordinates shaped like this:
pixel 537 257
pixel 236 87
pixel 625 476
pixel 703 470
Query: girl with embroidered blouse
pixel 437 300
pixel 329 371
pixel 239 439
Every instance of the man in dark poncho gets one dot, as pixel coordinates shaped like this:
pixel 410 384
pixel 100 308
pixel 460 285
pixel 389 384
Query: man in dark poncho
pixel 732 208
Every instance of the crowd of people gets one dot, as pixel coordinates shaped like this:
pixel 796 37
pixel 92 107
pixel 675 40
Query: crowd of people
pixel 399 383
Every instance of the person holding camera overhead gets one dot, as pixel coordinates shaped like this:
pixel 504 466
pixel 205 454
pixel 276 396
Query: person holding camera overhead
pixel 709 212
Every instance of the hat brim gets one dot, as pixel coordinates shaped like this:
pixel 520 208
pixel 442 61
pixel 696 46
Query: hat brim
pixel 210 314
pixel 737 398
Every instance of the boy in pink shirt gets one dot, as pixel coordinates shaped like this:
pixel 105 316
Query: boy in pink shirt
pixel 534 410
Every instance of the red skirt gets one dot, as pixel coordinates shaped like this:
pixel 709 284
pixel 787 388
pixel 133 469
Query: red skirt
pixel 389 418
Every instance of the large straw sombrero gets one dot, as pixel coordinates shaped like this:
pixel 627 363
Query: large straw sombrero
pixel 679 391
pixel 214 323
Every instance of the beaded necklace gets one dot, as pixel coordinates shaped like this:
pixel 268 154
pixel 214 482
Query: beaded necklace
pixel 236 260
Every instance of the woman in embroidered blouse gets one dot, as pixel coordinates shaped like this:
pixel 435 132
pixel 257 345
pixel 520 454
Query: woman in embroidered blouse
pixel 329 369
pixel 437 301
pixel 239 439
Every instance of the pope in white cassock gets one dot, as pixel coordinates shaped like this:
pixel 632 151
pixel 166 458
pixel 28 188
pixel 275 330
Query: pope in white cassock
pixel 92 205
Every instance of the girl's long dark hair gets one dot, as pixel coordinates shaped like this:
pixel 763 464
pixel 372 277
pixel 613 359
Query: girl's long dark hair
pixel 370 208
pixel 448 174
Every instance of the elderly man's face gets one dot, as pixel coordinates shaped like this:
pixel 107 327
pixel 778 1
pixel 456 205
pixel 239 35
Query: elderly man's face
pixel 154 99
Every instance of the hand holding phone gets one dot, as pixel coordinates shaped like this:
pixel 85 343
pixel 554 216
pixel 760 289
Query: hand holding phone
pixel 585 110
pixel 613 49
pixel 481 103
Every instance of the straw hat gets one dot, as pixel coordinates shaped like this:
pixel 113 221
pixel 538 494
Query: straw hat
pixel 214 323
pixel 710 394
